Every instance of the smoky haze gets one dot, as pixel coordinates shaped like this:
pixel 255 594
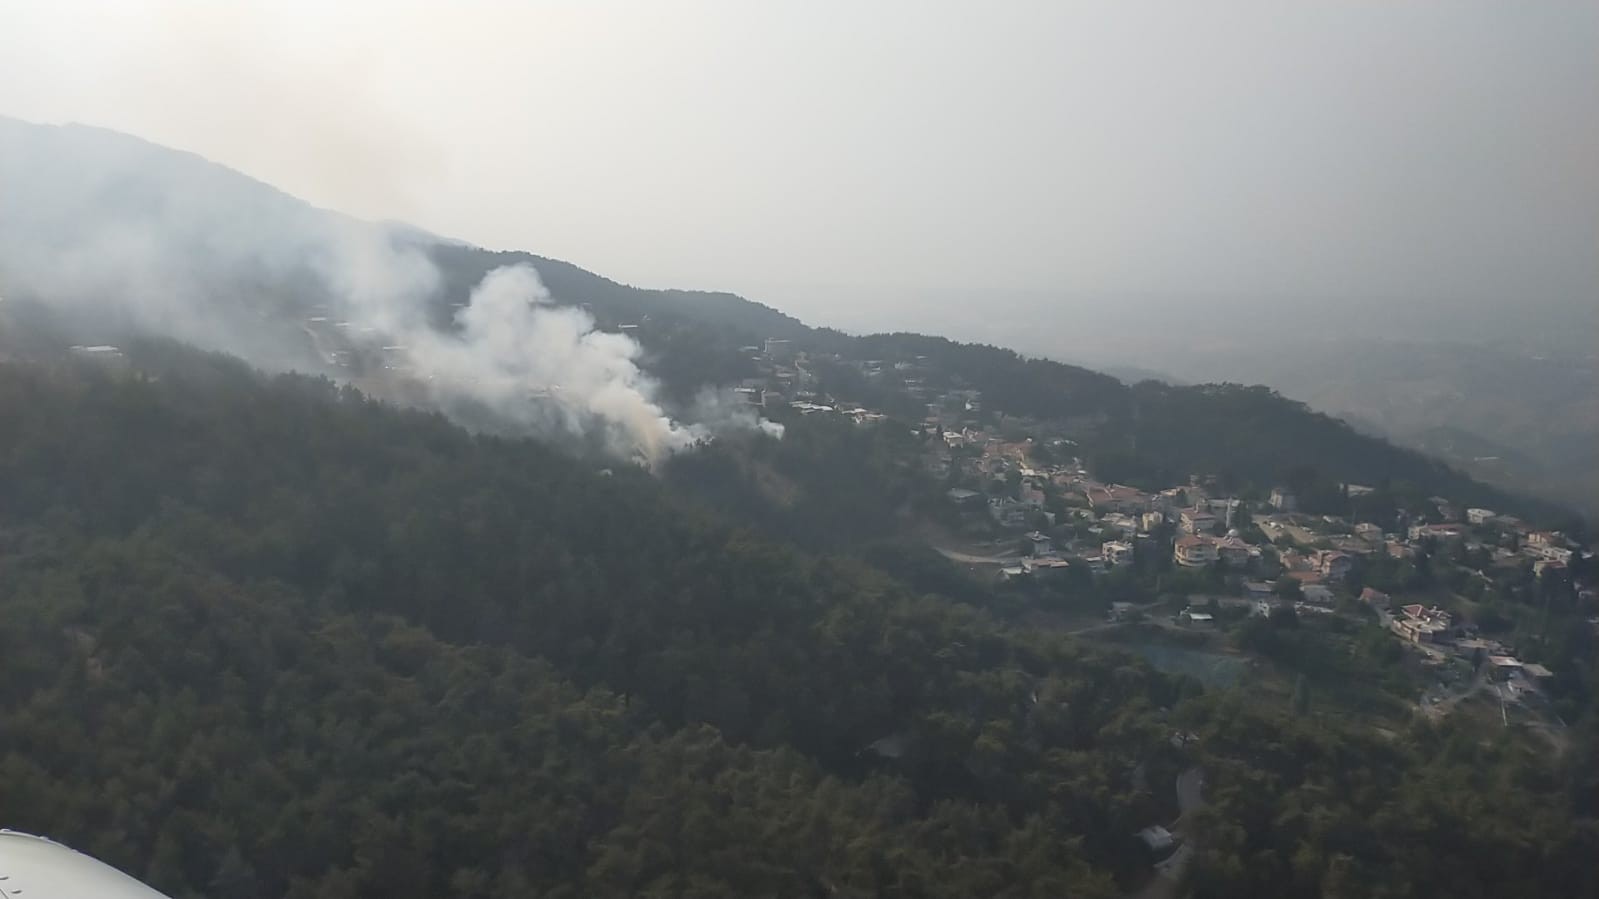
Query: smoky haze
pixel 131 236
pixel 907 165
pixel 1068 167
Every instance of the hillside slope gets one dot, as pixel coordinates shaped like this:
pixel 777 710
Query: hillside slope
pixel 136 234
pixel 262 635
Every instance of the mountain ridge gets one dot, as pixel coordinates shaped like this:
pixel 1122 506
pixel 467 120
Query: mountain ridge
pixel 694 338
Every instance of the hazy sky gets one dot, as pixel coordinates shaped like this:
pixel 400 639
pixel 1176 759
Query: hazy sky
pixel 812 153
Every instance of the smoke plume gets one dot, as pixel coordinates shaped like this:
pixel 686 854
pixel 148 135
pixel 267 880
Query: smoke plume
pixel 140 237
pixel 546 367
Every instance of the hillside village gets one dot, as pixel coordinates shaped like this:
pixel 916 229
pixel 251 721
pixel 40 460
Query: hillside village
pixel 1024 510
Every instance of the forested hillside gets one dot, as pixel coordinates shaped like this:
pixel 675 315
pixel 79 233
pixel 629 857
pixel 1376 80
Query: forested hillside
pixel 229 262
pixel 264 636
pixel 1150 433
pixel 1239 432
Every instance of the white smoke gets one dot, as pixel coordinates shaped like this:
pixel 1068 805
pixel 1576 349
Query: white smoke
pixel 722 410
pixel 542 365
pixel 120 230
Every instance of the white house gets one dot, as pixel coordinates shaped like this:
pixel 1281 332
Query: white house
pixel 1117 554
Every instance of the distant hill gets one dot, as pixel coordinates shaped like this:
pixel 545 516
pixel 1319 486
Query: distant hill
pixel 1516 414
pixel 202 253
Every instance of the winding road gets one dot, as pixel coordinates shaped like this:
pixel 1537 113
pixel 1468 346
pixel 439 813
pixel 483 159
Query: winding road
pixel 1169 872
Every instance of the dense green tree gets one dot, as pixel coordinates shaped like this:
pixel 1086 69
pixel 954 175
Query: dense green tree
pixel 266 636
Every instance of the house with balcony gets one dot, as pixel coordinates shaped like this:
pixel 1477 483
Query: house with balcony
pixel 1194 551
pixel 1333 564
pixel 1197 520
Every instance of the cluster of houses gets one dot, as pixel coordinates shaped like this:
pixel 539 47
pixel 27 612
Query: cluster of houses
pixel 785 377
pixel 1436 629
pixel 1318 552
pixel 782 378
pixel 1065 518
pixel 1070 518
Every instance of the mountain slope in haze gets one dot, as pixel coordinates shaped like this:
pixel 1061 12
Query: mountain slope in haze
pixel 187 248
pixel 1508 414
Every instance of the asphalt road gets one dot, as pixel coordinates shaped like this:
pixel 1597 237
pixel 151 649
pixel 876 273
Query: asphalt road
pixel 1169 872
pixel 1190 785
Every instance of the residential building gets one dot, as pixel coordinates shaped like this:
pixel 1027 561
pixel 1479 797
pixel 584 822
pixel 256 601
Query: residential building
pixel 1009 512
pixel 1546 538
pixel 1419 624
pixel 1399 549
pixel 1332 564
pixel 1293 560
pixel 1234 551
pixel 1197 520
pixel 1168 500
pixel 1117 554
pixel 1352 546
pixel 1126 524
pixel 1549 553
pixel 1479 516
pixel 1194 551
pixel 1045 567
pixel 1283 500
pixel 778 350
pixel 1259 590
pixel 1443 533
pixel 1543 565
pixel 1040 544
pixel 1317 594
pixel 1369 532
pixel 1117 498
pixel 1225 510
pixel 1375 598
pixel 1500 667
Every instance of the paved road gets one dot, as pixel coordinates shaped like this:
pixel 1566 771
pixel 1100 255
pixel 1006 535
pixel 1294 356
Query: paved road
pixel 1190 785
pixel 1169 872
